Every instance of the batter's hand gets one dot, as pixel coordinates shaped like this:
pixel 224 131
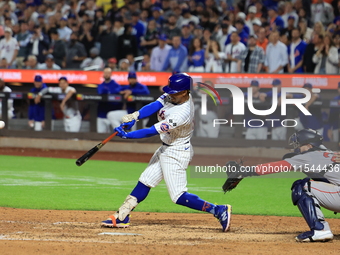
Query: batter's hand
pixel 130 117
pixel 121 133
pixel 128 125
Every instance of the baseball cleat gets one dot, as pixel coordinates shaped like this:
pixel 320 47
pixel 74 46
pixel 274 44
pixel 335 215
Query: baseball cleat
pixel 112 222
pixel 315 236
pixel 223 215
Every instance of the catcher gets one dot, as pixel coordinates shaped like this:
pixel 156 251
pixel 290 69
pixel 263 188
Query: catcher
pixel 320 188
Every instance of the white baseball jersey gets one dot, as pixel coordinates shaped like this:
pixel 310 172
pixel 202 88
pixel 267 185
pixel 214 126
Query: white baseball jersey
pixel 175 121
pixel 170 161
pixel 7 48
pixel 235 51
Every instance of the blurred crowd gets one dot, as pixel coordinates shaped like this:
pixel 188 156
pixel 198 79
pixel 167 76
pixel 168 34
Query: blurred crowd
pixel 250 36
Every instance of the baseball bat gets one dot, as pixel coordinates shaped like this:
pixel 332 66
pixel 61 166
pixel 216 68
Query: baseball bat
pixel 93 151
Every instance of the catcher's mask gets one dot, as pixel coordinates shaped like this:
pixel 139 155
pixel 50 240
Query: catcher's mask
pixel 304 137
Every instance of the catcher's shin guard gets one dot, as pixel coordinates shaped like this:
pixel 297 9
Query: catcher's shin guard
pixel 306 204
pixel 129 204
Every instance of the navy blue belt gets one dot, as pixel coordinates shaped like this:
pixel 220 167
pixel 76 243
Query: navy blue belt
pixel 171 145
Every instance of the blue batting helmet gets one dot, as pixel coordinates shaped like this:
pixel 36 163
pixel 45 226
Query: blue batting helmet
pixel 304 137
pixel 177 83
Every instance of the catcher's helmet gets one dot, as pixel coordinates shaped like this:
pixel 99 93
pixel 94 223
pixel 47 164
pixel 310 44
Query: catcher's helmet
pixel 177 83
pixel 304 137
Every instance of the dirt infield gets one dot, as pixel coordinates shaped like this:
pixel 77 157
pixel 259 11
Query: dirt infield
pixel 78 232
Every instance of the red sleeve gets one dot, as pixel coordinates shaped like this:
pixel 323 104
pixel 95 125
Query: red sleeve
pixel 274 167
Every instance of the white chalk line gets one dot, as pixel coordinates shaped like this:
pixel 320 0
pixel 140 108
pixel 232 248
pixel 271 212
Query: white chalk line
pixel 118 234
pixel 34 178
pixel 66 222
pixel 40 223
pixel 4 238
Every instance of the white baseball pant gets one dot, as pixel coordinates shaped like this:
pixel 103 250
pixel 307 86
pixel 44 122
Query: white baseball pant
pixel 326 195
pixel 72 124
pixel 169 163
pixel 38 126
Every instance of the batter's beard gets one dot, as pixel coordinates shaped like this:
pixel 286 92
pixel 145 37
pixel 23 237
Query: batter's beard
pixel 172 100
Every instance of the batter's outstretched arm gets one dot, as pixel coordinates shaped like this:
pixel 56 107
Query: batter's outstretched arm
pixel 142 133
pixel 149 109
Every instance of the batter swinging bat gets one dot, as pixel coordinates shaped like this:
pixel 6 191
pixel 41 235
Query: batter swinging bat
pixel 91 152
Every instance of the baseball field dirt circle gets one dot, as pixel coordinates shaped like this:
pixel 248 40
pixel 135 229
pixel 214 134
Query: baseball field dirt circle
pixel 79 232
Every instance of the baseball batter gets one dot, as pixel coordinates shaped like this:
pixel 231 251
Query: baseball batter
pixel 69 106
pixel 321 188
pixel 175 114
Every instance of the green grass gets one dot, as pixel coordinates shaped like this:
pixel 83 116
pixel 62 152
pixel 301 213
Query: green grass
pixel 48 183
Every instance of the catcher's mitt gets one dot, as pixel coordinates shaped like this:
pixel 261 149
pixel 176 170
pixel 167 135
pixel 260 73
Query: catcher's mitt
pixel 234 176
